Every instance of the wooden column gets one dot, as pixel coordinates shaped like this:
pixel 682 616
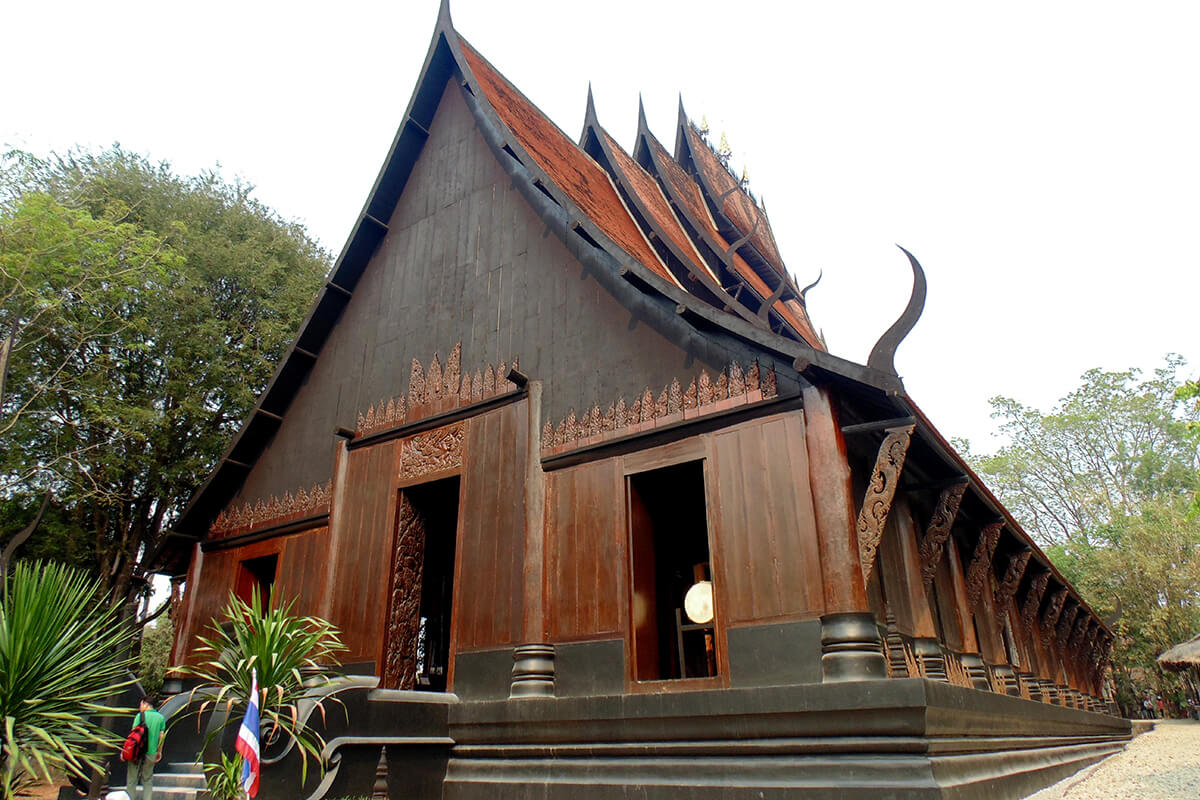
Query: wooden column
pixel 850 644
pixel 533 672
pixel 961 616
pixel 906 591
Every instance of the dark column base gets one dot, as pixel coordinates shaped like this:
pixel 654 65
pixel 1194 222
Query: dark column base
pixel 533 671
pixel 851 649
pixel 973 664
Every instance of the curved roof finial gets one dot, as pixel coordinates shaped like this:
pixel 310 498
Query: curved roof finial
pixel 812 285
pixel 444 20
pixel 883 354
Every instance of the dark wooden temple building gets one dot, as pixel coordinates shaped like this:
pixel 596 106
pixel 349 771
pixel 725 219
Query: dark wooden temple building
pixel 560 452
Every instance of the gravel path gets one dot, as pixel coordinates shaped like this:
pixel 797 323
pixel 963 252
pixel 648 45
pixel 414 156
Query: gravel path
pixel 1163 764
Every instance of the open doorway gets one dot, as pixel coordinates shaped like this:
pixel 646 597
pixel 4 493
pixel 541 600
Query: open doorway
pixel 674 624
pixel 417 650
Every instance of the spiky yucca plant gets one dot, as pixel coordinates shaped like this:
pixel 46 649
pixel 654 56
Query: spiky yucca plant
pixel 291 654
pixel 63 653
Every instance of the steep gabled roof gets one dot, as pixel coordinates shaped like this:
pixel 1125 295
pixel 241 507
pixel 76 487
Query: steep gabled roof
pixel 576 199
pixel 569 167
pixel 736 210
pixel 686 196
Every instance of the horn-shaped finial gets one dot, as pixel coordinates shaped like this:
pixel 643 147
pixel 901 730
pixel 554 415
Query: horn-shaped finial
pixel 812 285
pixel 883 354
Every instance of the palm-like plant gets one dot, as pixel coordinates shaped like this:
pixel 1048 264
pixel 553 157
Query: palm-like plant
pixel 291 655
pixel 61 657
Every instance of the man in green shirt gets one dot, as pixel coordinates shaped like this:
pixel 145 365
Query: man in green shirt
pixel 156 731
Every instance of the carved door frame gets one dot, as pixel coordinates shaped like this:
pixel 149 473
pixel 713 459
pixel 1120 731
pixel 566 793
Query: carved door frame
pixel 422 458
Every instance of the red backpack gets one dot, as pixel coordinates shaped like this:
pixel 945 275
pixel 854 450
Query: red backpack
pixel 135 743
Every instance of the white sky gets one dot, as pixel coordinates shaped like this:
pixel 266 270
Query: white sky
pixel 1041 159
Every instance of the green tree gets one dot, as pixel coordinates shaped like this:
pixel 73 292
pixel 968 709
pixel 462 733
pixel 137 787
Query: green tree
pixel 155 653
pixel 1110 447
pixel 1107 482
pixel 160 307
pixel 57 668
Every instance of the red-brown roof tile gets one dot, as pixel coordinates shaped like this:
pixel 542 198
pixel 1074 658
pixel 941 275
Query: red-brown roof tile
pixel 688 193
pixel 585 183
pixel 738 206
pixel 651 198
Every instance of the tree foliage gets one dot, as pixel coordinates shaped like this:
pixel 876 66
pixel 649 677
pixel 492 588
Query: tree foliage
pixel 57 668
pixel 148 311
pixel 1110 447
pixel 1107 482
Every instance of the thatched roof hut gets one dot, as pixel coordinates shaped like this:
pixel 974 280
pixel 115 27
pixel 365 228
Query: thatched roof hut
pixel 1182 656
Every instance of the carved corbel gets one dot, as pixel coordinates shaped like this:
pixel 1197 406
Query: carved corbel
pixel 1066 621
pixel 1078 632
pixel 1033 601
pixel 1012 579
pixel 934 542
pixel 981 563
pixel 880 493
pixel 1053 612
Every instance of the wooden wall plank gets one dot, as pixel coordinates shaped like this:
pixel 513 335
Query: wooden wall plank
pixel 585 551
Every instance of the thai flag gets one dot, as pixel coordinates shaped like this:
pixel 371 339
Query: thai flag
pixel 247 742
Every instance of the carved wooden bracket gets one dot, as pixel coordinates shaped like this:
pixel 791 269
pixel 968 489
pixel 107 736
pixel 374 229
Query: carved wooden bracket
pixel 1053 612
pixel 877 503
pixel 400 661
pixel 733 387
pixel 1066 620
pixel 1078 632
pixel 981 563
pixel 432 451
pixel 436 390
pixel 934 542
pixel 275 511
pixel 1012 579
pixel 1033 601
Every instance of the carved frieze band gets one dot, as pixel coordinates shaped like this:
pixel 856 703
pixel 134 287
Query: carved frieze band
pixel 704 395
pixel 877 503
pixel 435 391
pixel 275 511
pixel 1033 601
pixel 1012 579
pixel 432 451
pixel 981 563
pixel 1053 612
pixel 939 530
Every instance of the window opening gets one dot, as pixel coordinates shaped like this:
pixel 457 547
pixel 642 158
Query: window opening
pixel 673 609
pixel 257 573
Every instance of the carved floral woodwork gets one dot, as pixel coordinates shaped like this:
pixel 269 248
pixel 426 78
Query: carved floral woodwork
pixel 275 511
pixel 981 563
pixel 436 390
pixel 1076 637
pixel 432 451
pixel 1053 612
pixel 1033 601
pixel 877 502
pixel 934 542
pixel 1012 579
pixel 1065 622
pixel 704 395
pixel 403 620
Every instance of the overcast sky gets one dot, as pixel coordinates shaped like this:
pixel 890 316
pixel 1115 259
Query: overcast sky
pixel 1042 160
